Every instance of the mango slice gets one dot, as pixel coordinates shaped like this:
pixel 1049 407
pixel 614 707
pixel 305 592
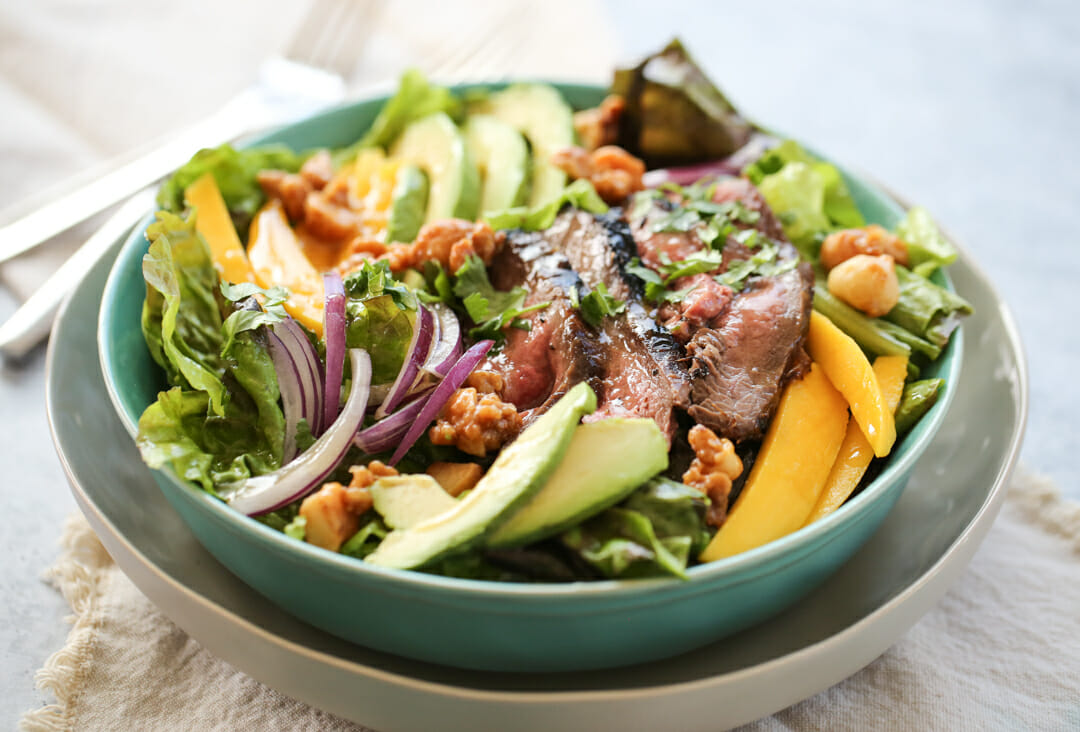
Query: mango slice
pixel 278 259
pixel 855 452
pixel 791 468
pixel 212 220
pixel 847 368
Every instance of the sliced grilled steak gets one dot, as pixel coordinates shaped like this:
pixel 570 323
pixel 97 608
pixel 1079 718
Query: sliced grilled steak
pixel 559 350
pixel 631 363
pixel 742 346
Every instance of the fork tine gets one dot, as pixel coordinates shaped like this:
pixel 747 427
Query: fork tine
pixel 333 34
pixel 479 58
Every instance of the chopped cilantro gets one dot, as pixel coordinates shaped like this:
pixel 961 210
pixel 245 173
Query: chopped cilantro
pixel 490 309
pixel 374 279
pixel 596 305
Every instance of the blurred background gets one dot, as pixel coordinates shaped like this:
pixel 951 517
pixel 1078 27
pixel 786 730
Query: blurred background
pixel 969 108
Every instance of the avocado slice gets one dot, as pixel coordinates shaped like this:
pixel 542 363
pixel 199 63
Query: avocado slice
pixel 408 204
pixel 541 114
pixel 606 462
pixel 407 500
pixel 502 157
pixel 521 469
pixel 435 145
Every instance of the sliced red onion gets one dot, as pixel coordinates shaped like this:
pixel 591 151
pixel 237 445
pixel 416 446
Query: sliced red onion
pixel 293 398
pixel 446 388
pixel 334 334
pixel 419 345
pixel 446 348
pixel 309 367
pixel 731 165
pixel 264 493
pixel 386 433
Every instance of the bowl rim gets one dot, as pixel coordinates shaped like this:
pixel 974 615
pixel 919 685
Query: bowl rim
pixel 735 569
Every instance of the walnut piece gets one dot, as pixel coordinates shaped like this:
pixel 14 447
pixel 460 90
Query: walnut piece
pixel 333 512
pixel 614 172
pixel 475 423
pixel 713 470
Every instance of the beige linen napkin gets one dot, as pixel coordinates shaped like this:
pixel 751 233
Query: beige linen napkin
pixel 1001 650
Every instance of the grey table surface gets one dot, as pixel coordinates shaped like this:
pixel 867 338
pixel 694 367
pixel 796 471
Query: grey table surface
pixel 970 108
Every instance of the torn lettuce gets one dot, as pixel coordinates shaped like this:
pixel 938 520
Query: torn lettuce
pixel 220 422
pixel 808 195
pixel 654 532
pixel 928 249
pixel 580 194
pixel 925 309
pixel 380 316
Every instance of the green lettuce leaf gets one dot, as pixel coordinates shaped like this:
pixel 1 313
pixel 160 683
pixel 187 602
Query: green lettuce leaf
pixel 928 311
pixel 580 194
pixel 809 195
pixel 380 313
pixel 928 249
pixel 181 320
pixel 221 422
pixel 654 532
pixel 234 170
pixel 796 193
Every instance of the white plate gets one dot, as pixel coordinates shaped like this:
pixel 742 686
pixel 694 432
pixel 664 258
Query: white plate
pixel 924 544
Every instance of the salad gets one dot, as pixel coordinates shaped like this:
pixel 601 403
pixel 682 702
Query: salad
pixel 500 338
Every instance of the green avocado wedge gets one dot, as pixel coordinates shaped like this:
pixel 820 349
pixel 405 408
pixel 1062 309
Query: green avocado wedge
pixel 543 116
pixel 606 461
pixel 408 205
pixel 502 157
pixel 519 472
pixel 407 500
pixel 435 145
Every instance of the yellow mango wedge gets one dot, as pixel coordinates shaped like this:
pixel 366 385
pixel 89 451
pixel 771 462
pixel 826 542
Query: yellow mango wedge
pixel 850 372
pixel 278 258
pixel 791 467
pixel 855 452
pixel 212 220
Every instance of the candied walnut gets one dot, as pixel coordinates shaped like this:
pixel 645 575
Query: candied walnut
pixel 842 245
pixel 358 251
pixel 326 220
pixel 318 169
pixel 364 475
pixel 599 126
pixel 574 161
pixel 475 423
pixel 449 242
pixel 713 470
pixel 614 172
pixel 289 188
pixel 333 512
pixel 485 382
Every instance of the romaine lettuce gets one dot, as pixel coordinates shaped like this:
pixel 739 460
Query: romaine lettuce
pixel 928 249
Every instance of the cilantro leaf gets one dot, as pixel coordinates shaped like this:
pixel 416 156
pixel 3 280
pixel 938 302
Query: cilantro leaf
pixel 490 309
pixel 264 307
pixel 597 304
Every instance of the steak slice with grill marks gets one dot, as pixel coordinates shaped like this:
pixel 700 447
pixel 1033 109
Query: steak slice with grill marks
pixel 748 344
pixel 631 363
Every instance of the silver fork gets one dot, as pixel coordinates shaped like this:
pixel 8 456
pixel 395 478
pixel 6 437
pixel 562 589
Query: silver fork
pixel 324 49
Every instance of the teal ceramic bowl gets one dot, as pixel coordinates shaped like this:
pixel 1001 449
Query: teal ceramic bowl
pixel 489 625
